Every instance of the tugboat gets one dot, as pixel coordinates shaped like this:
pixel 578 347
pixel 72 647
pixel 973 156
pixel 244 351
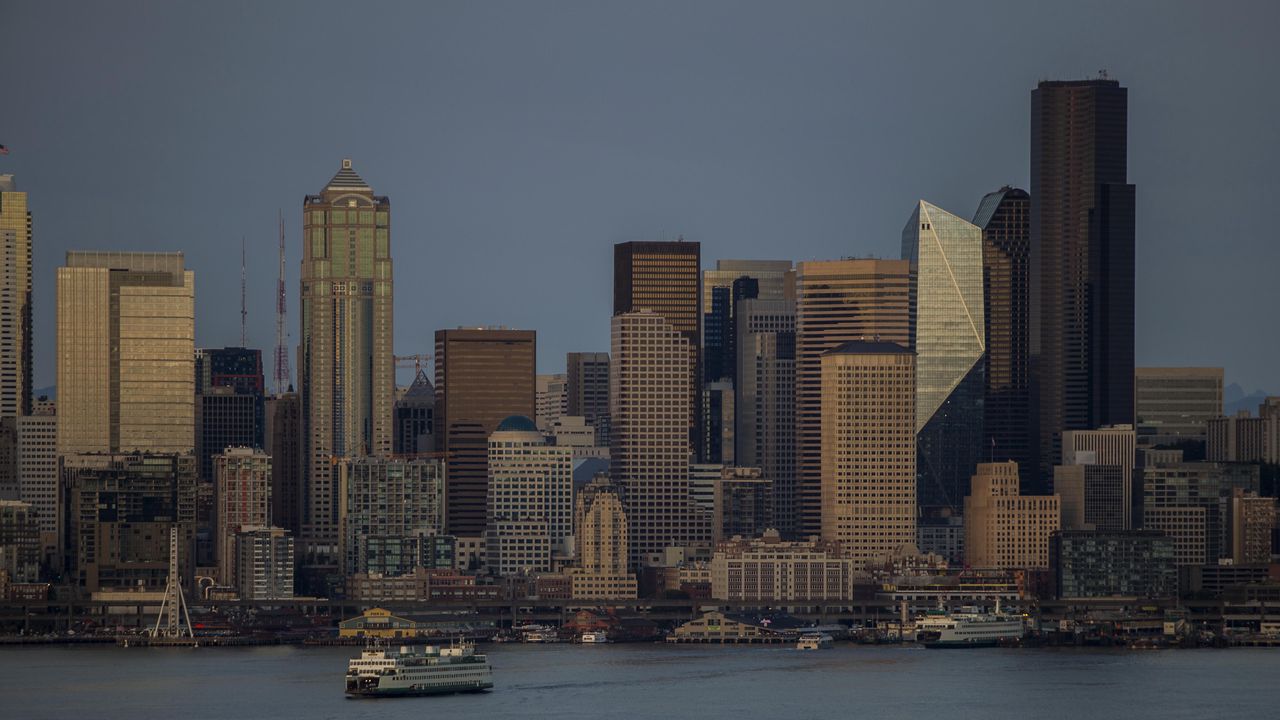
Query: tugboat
pixel 410 671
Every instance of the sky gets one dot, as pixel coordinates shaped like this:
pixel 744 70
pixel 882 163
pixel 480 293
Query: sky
pixel 518 141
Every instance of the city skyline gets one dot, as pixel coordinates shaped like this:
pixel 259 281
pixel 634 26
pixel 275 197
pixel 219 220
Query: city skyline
pixel 464 180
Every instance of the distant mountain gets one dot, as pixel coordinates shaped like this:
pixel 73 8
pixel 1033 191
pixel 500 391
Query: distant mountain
pixel 47 391
pixel 1234 400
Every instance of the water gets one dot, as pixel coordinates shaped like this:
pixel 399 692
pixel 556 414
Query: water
pixel 653 681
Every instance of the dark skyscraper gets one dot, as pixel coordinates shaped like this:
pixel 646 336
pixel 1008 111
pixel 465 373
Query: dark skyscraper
pixel 415 418
pixel 284 445
pixel 1005 219
pixel 1082 245
pixel 665 277
pixel 483 376
pixel 229 403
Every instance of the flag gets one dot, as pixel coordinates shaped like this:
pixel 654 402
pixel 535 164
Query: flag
pixel 4 150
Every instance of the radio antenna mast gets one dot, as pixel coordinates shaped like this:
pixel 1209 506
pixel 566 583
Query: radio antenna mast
pixel 244 311
pixel 282 379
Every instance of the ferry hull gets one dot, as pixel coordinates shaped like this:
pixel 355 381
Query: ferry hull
pixel 417 692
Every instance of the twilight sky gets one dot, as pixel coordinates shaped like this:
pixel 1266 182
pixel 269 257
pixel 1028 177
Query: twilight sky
pixel 519 140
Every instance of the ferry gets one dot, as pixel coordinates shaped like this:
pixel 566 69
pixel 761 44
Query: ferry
pixel 427 670
pixel 968 627
pixel 815 641
pixel 594 638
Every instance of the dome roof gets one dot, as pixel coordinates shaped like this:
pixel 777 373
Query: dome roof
pixel 517 423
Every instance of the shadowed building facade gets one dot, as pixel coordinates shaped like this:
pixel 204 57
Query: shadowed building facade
pixel 1082 245
pixel 1004 217
pixel 347 372
pixel 15 301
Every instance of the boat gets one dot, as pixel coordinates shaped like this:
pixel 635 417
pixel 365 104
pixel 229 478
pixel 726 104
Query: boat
pixel 534 634
pixel 815 641
pixel 968 627
pixel 411 671
pixel 594 638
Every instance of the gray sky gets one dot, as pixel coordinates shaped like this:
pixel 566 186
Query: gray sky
pixel 518 141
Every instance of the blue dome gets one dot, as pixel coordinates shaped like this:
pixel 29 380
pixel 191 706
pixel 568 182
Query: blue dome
pixel 517 423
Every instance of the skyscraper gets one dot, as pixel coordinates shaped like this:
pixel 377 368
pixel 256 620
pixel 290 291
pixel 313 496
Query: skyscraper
pixel 1004 528
pixel 550 399
pixel 345 364
pixel 869 448
pixel 1005 219
pixel 126 349
pixel 946 258
pixel 839 301
pixel 1174 405
pixel 530 503
pixel 775 279
pixel 15 301
pixel 243 490
pixel 663 277
pixel 392 508
pixel 230 406
pixel 415 418
pixel 483 375
pixel 765 400
pixel 587 391
pixel 649 386
pixel 1082 249
pixel 284 445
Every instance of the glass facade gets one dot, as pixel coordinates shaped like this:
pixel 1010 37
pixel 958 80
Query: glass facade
pixel 945 252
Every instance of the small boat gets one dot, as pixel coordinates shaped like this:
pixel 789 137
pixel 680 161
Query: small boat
pixel 594 638
pixel 541 636
pixel 815 641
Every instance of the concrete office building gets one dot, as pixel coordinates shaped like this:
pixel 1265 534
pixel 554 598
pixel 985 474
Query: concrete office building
pixel 242 478
pixel 603 570
pixel 19 542
pixel 346 367
pixel 838 301
pixel 946 256
pixel 771 570
pixel 126 349
pixel 1093 497
pixel 1003 528
pixel 389 505
pixel 483 375
pixel 37 463
pixel 1251 523
pixel 1173 405
pixel 649 387
pixel 1111 450
pixel 1132 563
pixel 1005 219
pixel 530 503
pixel 1240 438
pixel 15 301
pixel 550 399
pixel 1191 501
pixel 1082 245
pixel 663 277
pixel 765 400
pixel 868 448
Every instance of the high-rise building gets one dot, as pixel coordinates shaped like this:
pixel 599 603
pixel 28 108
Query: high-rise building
pixel 345 363
pixel 1082 250
pixel 19 542
pixel 765 400
pixel 1173 405
pixel 1005 219
pixel 392 510
pixel 551 399
pixel 483 375
pixel 530 504
pixel 663 277
pixel 120 512
pixel 1132 563
pixel 946 255
pixel 264 564
pixel 718 325
pixel 869 448
pixel 284 445
pixel 235 367
pixel 775 279
pixel 602 536
pixel 1093 497
pixel 415 418
pixel 230 406
pixel 1111 456
pixel 243 491
pixel 1190 502
pixel 718 416
pixel 1251 524
pixel 649 386
pixel 38 475
pixel 742 503
pixel 838 301
pixel 1003 528
pixel 1240 438
pixel 15 301
pixel 587 391
pixel 126 349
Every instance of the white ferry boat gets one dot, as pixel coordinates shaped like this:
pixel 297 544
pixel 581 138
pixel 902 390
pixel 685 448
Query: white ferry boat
pixel 594 638
pixel 411 670
pixel 968 627
pixel 815 641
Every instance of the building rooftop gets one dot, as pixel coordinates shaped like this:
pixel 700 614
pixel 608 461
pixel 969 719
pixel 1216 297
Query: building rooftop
pixel 347 179
pixel 517 423
pixel 868 347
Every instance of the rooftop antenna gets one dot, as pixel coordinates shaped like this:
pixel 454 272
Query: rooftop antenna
pixel 282 377
pixel 244 311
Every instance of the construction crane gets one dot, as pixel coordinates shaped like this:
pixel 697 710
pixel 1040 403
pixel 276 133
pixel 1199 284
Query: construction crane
pixel 412 361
